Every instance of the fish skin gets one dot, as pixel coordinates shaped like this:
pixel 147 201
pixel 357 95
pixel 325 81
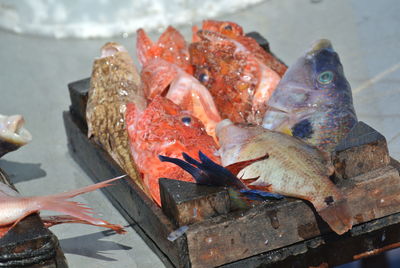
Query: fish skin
pixel 293 168
pixel 170 46
pixel 14 207
pixel 235 32
pixel 114 82
pixel 12 133
pixel 239 82
pixel 319 113
pixel 164 78
pixel 163 128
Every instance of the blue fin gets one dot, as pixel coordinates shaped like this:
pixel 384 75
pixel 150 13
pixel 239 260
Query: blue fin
pixel 260 195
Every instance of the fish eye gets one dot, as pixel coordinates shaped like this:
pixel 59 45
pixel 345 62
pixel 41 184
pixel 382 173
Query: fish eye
pixel 325 77
pixel 203 78
pixel 186 120
pixel 228 27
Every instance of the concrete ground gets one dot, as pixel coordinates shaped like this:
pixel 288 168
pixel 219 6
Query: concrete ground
pixel 35 71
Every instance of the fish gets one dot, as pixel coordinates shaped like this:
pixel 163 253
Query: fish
pixel 114 82
pixel 235 31
pixel 313 101
pixel 293 168
pixel 239 82
pixel 164 78
pixel 13 135
pixel 170 46
pixel 14 207
pixel 163 128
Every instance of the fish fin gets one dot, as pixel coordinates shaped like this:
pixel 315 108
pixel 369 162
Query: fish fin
pixel 156 76
pixel 144 46
pixel 173 37
pixel 195 172
pixel 260 194
pixel 191 160
pixel 60 219
pixel 195 37
pixel 338 216
pixel 235 168
pixel 60 203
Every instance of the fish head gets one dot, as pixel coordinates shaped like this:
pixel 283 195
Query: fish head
pixel 228 71
pixel 315 82
pixel 171 46
pixel 12 133
pixel 165 128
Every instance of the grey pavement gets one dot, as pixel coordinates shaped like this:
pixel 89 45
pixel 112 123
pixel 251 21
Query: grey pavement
pixel 35 71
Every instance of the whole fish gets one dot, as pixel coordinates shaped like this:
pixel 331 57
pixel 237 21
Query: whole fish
pixel 293 168
pixel 239 82
pixel 313 101
pixel 163 78
pixel 235 32
pixel 14 207
pixel 171 46
pixel 163 128
pixel 114 82
pixel 12 133
pixel 162 75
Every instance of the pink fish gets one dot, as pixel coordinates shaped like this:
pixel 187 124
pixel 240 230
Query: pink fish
pixel 14 207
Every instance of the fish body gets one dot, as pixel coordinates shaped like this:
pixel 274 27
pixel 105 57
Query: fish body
pixel 171 46
pixel 313 101
pixel 14 207
pixel 235 32
pixel 163 128
pixel 239 82
pixel 114 82
pixel 293 168
pixel 164 78
pixel 12 133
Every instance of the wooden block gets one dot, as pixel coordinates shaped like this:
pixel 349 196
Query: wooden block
pixel 260 40
pixel 78 93
pixel 364 149
pixel 186 203
pixel 29 243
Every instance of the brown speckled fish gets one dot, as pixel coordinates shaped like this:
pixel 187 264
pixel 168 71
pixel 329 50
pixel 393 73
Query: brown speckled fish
pixel 12 133
pixel 313 100
pixel 114 82
pixel 293 168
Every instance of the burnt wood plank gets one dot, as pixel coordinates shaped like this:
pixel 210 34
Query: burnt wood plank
pixel 29 243
pixel 141 212
pixel 363 149
pixel 186 203
pixel 78 93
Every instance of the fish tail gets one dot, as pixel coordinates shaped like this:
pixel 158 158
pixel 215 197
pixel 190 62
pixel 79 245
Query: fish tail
pixel 337 215
pixel 60 219
pixel 60 203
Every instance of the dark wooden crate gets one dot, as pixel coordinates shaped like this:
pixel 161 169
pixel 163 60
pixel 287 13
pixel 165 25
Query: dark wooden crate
pixel 296 235
pixel 29 243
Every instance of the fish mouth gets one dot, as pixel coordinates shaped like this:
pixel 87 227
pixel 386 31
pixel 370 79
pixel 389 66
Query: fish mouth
pixel 110 48
pixel 319 45
pixel 12 133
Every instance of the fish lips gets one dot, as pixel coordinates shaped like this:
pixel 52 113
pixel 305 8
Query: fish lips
pixel 12 133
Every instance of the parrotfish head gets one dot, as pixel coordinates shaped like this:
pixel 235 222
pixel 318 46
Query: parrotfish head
pixel 12 133
pixel 316 82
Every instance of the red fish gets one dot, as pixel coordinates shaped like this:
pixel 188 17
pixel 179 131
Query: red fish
pixel 14 207
pixel 235 32
pixel 163 78
pixel 239 82
pixel 171 46
pixel 163 128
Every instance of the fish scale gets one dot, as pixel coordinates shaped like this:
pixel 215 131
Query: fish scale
pixel 114 82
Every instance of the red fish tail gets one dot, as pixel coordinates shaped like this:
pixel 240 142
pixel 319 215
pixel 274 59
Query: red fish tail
pixel 60 203
pixel 54 220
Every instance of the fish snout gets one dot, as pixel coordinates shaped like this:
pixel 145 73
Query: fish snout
pixel 319 45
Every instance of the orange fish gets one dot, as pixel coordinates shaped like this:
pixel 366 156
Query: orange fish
pixel 235 32
pixel 14 207
pixel 163 78
pixel 171 46
pixel 163 128
pixel 239 82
